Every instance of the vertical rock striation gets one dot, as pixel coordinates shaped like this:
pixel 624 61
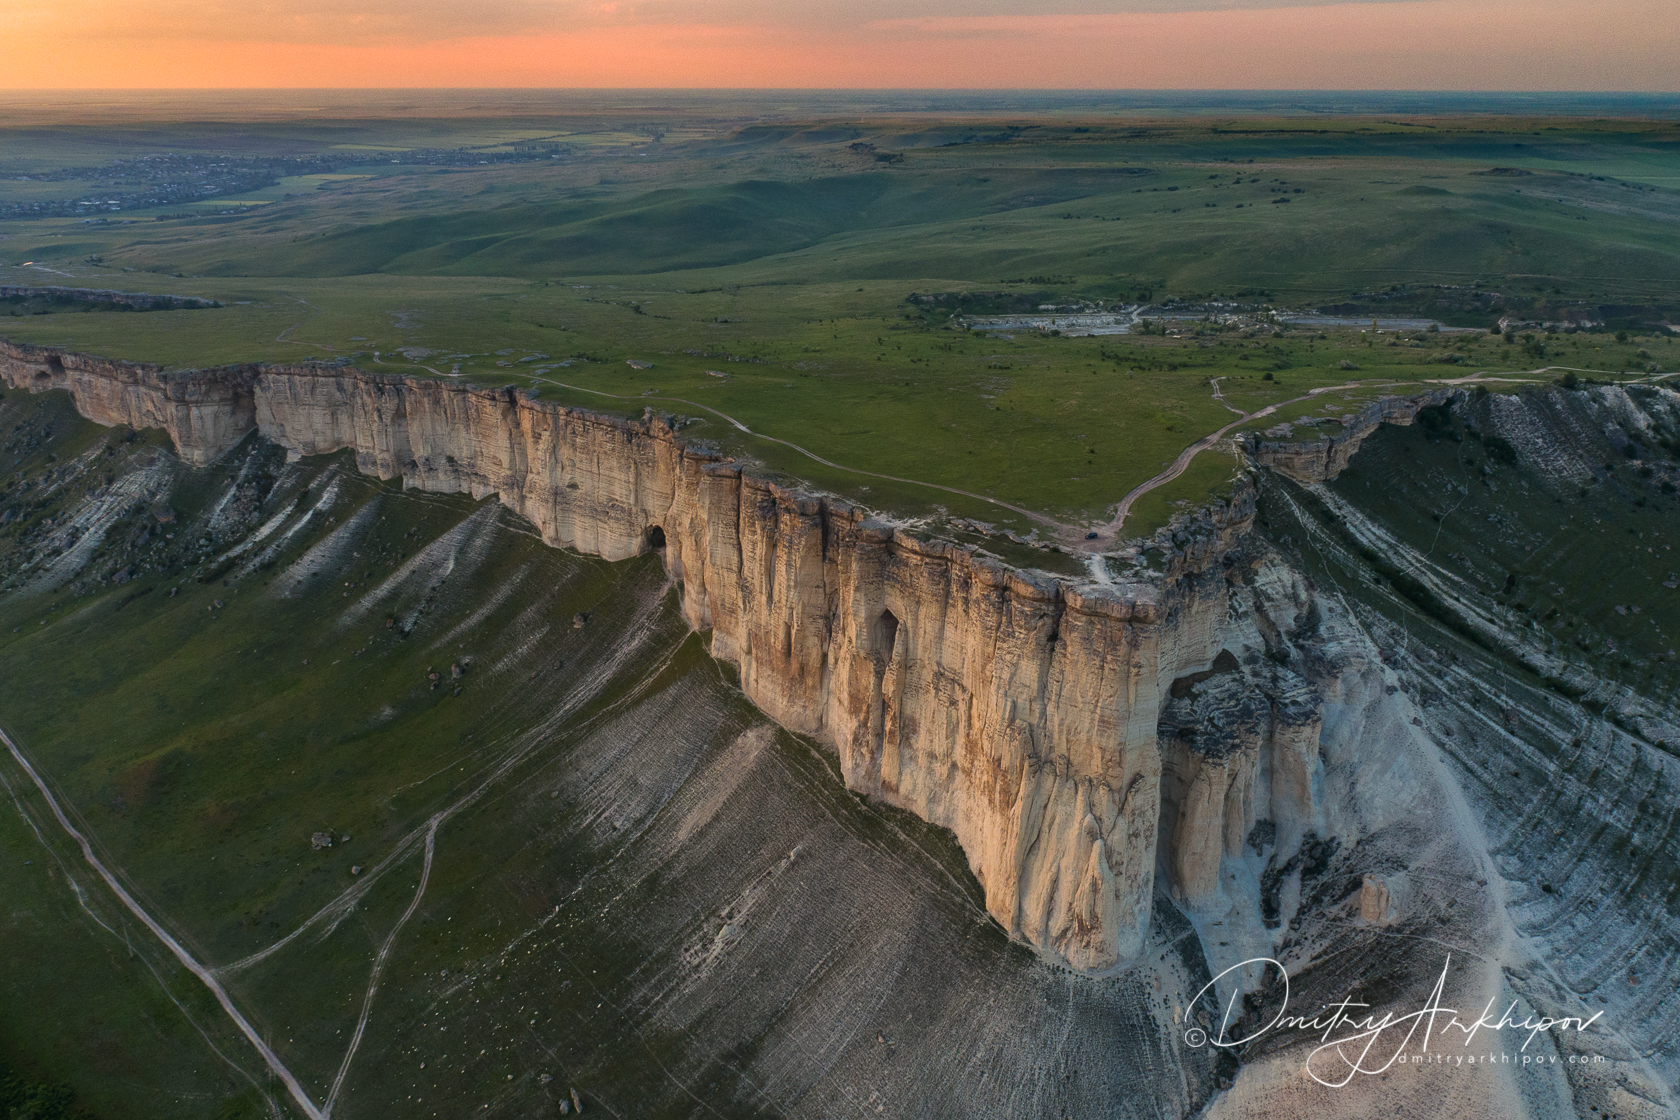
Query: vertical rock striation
pixel 205 413
pixel 1016 709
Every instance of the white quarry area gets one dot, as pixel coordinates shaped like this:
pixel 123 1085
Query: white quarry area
pixel 1073 321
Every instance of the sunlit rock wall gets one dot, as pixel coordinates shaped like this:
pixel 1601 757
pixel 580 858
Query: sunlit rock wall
pixel 1014 708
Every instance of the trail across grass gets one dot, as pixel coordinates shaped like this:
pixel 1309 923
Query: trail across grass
pixel 1059 526
pixel 188 961
pixel 1179 464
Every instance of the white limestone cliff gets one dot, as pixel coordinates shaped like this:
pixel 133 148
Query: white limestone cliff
pixel 1017 709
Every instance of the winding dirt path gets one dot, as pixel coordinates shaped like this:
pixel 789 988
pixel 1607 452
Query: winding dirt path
pixel 1179 464
pixel 188 961
pixel 1069 533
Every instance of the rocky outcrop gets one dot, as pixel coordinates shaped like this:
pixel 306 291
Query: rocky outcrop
pixel 1017 709
pixel 105 297
pixel 1212 732
pixel 1319 460
pixel 205 413
pixel 1241 766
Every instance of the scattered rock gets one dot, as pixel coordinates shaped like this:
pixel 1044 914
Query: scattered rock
pixel 576 1103
pixel 579 620
pixel 320 840
pixel 457 671
pixel 544 1078
pixel 355 869
pixel 1381 898
pixel 1373 900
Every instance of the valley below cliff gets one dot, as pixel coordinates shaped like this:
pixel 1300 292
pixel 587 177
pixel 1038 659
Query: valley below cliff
pixel 925 834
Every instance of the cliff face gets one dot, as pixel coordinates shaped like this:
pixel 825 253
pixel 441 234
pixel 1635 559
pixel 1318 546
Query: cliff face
pixel 1319 460
pixel 1018 710
pixel 205 413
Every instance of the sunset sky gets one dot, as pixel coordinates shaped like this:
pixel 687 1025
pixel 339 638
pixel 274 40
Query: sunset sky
pixel 1104 44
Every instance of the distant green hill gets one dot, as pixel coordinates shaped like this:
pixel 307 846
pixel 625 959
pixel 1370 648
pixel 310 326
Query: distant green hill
pixel 667 230
pixel 1308 229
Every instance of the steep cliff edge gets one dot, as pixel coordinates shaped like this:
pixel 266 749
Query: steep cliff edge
pixel 1016 709
pixel 1319 460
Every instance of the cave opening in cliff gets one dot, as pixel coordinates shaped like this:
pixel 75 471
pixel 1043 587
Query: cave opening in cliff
pixel 886 636
pixel 655 538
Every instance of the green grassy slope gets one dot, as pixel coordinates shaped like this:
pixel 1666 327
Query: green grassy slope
pixel 1180 227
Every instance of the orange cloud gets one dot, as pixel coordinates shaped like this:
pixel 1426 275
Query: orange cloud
pixel 1410 44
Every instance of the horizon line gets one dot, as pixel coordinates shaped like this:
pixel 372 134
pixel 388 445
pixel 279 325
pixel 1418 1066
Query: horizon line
pixel 970 90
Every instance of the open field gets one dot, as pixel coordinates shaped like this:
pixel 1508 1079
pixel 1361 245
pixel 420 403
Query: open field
pixel 1062 425
pixel 784 256
pixel 787 255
